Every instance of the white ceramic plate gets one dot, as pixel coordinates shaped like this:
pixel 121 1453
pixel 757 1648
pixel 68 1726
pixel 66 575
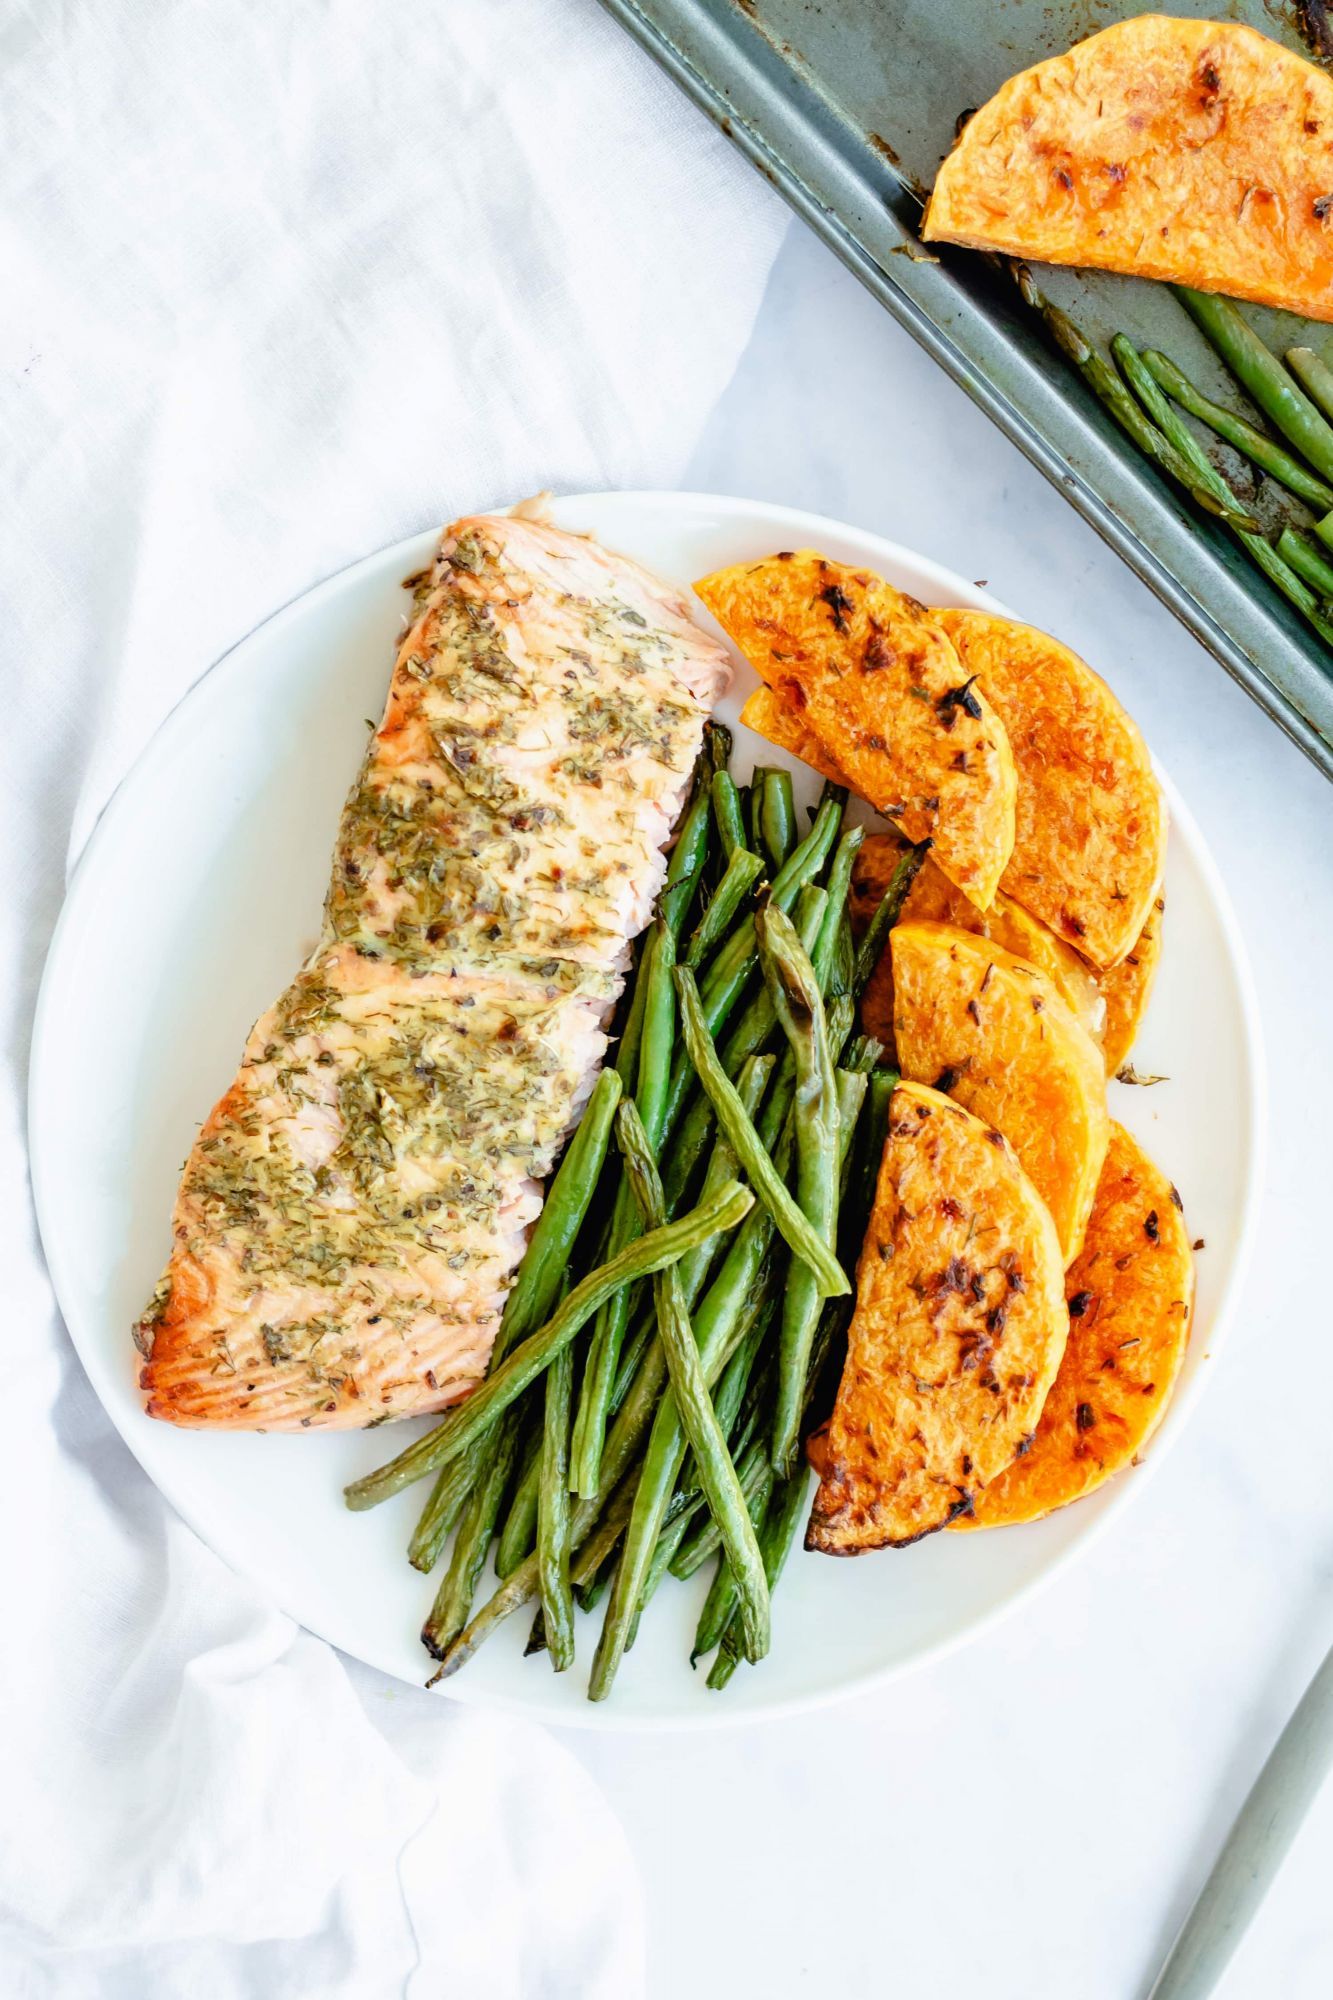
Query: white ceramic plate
pixel 198 896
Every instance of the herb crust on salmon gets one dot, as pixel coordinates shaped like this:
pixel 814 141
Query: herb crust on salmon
pixel 352 1212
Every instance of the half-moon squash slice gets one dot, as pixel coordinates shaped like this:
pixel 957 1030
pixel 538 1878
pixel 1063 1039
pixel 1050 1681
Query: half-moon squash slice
pixel 1196 151
pixel 932 898
pixel 1129 1290
pixel 1090 834
pixel 971 1019
pixel 877 680
pixel 959 1326
pixel 1127 988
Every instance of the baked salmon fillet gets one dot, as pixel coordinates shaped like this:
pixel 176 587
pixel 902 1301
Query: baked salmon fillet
pixel 352 1213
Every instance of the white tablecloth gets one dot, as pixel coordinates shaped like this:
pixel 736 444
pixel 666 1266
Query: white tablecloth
pixel 282 285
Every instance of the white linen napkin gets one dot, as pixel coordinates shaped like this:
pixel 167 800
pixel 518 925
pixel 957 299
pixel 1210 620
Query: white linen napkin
pixel 284 284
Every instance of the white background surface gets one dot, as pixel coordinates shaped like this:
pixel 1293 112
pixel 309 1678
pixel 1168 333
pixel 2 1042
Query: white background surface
pixel 1031 1818
pixel 282 304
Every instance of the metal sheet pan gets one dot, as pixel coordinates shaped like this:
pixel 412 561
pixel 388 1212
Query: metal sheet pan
pixel 847 106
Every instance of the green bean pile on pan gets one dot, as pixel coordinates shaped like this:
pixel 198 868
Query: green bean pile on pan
pixel 664 1345
pixel 1151 397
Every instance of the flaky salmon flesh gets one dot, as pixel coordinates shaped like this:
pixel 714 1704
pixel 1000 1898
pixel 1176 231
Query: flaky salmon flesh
pixel 354 1208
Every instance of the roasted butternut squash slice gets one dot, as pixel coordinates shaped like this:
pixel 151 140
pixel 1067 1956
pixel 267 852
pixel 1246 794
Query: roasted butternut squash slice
pixel 1195 151
pixel 971 1019
pixel 1127 988
pixel 1090 834
pixel 1130 1292
pixel 959 1327
pixel 783 726
pixel 932 898
pixel 877 680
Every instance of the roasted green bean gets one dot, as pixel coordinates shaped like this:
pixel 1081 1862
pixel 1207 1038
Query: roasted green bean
pixel 717 1474
pixel 720 1603
pixel 777 816
pixel 727 814
pixel 1106 385
pixel 1315 377
pixel 553 1513
pixel 890 907
pixel 453 1602
pixel 473 1418
pixel 1266 558
pixel 800 1236
pixel 518 1532
pixel 1261 375
pixel 742 872
pixel 776 1536
pixel 1309 563
pixel 794 985
pixel 1254 444
pixel 703 1539
pixel 650 1098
